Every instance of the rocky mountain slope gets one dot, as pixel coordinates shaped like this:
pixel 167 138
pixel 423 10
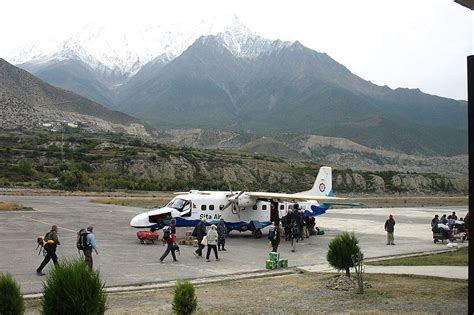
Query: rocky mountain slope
pixel 112 161
pixel 238 81
pixel 27 102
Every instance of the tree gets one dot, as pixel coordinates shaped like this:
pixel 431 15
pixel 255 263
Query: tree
pixel 185 300
pixel 11 300
pixel 341 250
pixel 72 288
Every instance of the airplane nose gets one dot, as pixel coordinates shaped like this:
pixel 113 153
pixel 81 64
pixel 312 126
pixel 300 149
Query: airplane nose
pixel 139 220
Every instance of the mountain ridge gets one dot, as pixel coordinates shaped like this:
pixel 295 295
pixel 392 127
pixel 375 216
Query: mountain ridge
pixel 276 87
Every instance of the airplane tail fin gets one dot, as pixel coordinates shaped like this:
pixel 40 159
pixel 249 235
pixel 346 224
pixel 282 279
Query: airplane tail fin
pixel 323 183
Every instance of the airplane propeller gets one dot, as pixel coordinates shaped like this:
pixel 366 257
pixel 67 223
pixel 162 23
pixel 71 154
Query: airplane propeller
pixel 233 200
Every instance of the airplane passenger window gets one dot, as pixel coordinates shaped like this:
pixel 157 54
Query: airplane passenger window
pixel 211 207
pixel 203 207
pixel 254 207
pixel 282 207
pixel 264 207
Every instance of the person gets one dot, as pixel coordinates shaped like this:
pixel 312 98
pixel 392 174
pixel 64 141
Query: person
pixel 294 235
pixel 454 216
pixel 434 228
pixel 274 235
pixel 91 246
pixel 212 237
pixel 390 227
pixel 443 219
pixel 199 232
pixel 286 227
pixel 222 232
pixel 169 237
pixel 52 238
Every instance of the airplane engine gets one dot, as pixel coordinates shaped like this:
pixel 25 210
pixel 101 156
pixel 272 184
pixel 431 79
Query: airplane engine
pixel 245 200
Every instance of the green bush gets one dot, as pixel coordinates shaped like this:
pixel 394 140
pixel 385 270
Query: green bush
pixel 340 252
pixel 11 300
pixel 185 300
pixel 72 289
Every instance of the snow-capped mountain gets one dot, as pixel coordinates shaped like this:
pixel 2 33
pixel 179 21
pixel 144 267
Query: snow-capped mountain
pixel 125 49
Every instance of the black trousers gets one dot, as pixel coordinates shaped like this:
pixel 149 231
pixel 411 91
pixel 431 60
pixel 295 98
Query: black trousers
pixel 169 248
pixel 221 243
pixel 275 244
pixel 214 247
pixel 200 246
pixel 49 255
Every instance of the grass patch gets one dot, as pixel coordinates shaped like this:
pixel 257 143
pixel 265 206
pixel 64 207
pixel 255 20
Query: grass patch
pixel 454 258
pixel 11 206
pixel 147 203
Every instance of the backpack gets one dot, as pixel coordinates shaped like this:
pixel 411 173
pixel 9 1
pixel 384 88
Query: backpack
pixel 295 231
pixel 167 234
pixel 271 234
pixel 81 242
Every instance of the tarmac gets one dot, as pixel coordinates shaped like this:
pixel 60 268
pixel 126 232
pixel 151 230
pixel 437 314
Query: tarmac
pixel 125 264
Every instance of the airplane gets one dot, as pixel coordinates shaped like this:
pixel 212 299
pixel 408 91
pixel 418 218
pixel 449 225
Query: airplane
pixel 241 210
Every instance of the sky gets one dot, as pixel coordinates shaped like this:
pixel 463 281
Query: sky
pixel 401 43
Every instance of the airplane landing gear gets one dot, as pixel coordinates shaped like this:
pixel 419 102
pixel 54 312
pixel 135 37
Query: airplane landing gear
pixel 257 233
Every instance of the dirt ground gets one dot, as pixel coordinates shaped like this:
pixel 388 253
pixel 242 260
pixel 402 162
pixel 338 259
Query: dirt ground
pixel 304 293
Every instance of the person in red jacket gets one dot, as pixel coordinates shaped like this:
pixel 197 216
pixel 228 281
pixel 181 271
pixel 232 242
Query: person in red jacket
pixel 169 237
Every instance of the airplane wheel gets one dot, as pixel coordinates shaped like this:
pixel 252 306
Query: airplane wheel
pixel 257 233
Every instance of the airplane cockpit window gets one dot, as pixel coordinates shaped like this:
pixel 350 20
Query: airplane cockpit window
pixel 178 204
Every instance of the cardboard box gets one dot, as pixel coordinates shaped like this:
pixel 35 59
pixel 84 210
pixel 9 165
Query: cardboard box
pixel 275 256
pixel 283 263
pixel 270 264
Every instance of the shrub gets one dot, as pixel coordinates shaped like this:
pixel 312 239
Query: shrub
pixel 72 289
pixel 185 300
pixel 11 300
pixel 341 250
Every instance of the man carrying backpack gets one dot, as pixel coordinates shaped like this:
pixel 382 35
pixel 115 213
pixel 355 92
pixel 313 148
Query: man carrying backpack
pixel 169 237
pixel 89 246
pixel 51 243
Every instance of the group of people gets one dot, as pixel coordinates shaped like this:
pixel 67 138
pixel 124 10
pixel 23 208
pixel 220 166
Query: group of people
pixel 51 244
pixel 446 226
pixel 214 239
pixel 296 227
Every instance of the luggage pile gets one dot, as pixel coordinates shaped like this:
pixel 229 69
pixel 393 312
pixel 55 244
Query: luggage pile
pixel 275 262
pixel 189 240
pixel 147 236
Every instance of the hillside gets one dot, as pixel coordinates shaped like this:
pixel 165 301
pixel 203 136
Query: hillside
pixel 27 102
pixel 110 161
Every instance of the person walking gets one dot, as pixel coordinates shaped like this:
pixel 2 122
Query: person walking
pixel 434 228
pixel 212 237
pixel 52 242
pixel 274 235
pixel 390 227
pixel 199 232
pixel 169 237
pixel 221 232
pixel 91 245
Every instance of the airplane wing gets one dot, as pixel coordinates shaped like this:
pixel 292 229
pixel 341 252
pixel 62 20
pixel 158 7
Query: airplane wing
pixel 293 196
pixel 349 204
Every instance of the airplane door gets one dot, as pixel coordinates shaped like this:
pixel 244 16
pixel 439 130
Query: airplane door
pixel 274 212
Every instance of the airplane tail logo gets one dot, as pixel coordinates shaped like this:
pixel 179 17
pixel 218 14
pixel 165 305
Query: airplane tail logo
pixel 323 183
